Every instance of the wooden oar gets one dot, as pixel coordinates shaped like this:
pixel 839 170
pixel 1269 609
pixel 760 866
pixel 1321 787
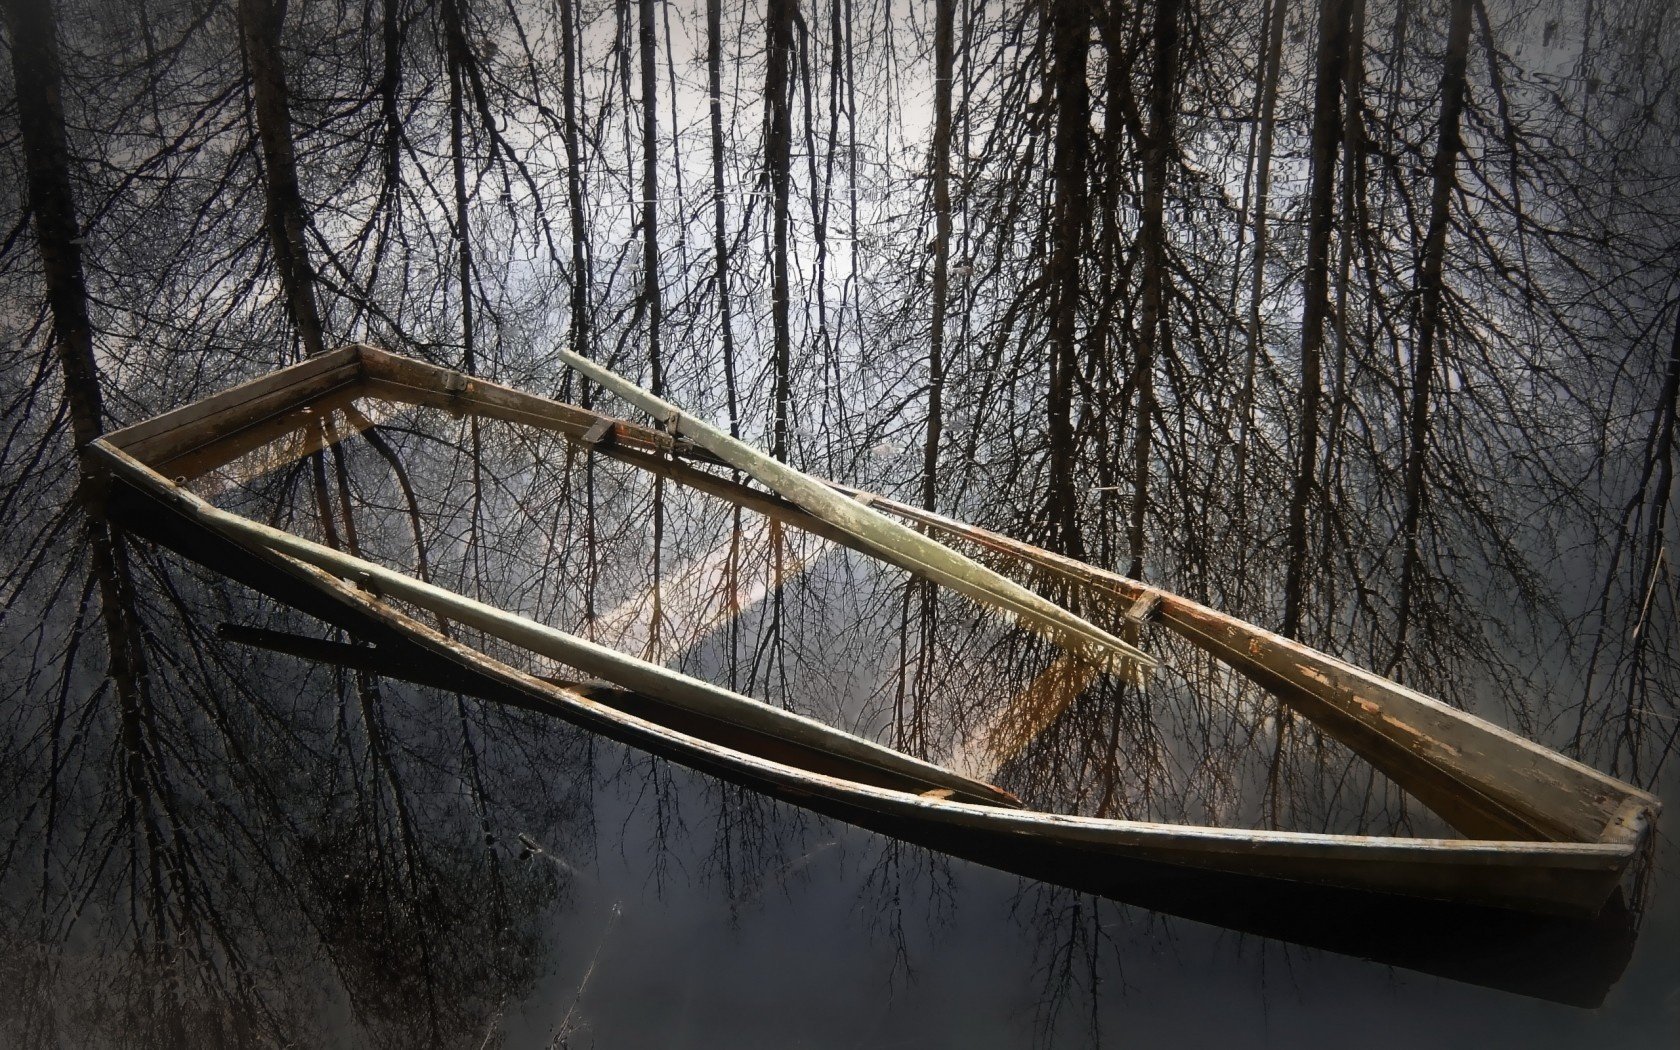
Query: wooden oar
pixel 925 556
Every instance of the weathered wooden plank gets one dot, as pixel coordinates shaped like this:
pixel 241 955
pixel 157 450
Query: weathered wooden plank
pixel 598 430
pixel 410 663
pixel 181 442
pixel 415 382
pixel 486 400
pixel 220 414
pixel 300 422
pixel 1144 610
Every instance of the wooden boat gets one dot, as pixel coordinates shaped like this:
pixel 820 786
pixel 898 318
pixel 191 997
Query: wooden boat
pixel 1543 833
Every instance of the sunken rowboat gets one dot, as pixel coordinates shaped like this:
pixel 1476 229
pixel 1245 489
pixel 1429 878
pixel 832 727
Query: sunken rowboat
pixel 1543 833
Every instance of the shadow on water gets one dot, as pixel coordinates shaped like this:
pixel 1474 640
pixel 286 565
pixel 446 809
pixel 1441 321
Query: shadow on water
pixel 1569 960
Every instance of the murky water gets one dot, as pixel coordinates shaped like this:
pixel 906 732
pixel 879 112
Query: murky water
pixel 274 850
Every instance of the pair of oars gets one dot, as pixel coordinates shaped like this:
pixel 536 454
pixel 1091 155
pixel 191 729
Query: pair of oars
pixel 876 533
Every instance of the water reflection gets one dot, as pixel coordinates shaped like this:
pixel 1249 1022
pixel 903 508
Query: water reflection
pixel 270 849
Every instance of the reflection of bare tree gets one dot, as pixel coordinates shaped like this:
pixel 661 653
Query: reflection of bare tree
pixel 464 953
pixel 179 793
pixel 906 885
pixel 1072 951
pixel 1491 355
pixel 256 836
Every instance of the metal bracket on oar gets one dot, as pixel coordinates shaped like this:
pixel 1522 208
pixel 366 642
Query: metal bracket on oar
pixel 456 385
pixel 877 534
pixel 601 430
pixel 1145 610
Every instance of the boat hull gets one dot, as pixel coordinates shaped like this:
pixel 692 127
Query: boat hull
pixel 1543 833
pixel 1116 858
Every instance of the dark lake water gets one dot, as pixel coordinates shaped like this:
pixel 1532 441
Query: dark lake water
pixel 271 851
